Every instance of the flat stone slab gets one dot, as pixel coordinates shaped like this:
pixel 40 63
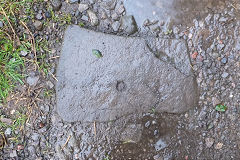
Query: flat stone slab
pixel 133 75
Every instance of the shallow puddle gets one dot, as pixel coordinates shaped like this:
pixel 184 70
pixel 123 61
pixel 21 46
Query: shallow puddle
pixel 171 11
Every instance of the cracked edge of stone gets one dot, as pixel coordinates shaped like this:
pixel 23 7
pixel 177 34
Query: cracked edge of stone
pixel 147 43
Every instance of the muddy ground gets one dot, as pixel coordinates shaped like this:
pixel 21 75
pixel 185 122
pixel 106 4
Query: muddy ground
pixel 211 31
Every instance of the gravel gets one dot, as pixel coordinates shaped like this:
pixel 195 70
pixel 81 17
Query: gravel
pixel 214 36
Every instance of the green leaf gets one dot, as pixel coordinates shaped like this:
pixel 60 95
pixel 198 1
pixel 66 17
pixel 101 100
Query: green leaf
pixel 97 53
pixel 221 108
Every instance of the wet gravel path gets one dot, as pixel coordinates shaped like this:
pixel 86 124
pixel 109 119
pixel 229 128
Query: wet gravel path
pixel 201 133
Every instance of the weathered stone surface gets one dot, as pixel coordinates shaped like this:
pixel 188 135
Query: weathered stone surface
pixel 127 79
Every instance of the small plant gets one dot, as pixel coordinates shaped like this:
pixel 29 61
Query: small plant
pixel 153 110
pixel 66 19
pixel 17 123
pixel 81 24
pixel 47 93
pixel 63 19
pixel 107 158
pixel 168 32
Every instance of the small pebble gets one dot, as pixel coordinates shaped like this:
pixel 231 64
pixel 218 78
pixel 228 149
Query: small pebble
pixel 224 75
pixel 209 142
pixel 13 154
pixel 39 16
pixel 85 18
pixel 114 16
pixel 23 53
pixel 8 131
pixel 155 132
pixel 48 14
pixel 121 9
pixel 49 84
pixel 82 7
pixel 224 60
pixel 32 81
pixel 1 24
pixel 215 101
pixel 115 26
pixel 219 146
pixel 147 124
pixel 38 25
pixel 93 18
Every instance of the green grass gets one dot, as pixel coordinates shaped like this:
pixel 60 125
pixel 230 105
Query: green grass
pixel 10 66
pixel 18 122
pixel 63 19
pixel 15 15
pixel 42 58
pixel 48 93
pixel 11 44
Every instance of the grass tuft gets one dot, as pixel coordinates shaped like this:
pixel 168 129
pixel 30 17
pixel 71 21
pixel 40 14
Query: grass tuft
pixel 10 67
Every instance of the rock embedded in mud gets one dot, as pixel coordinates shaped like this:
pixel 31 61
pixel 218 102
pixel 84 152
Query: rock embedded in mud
pixel 132 133
pixel 38 25
pixel 32 80
pixel 209 142
pixel 160 144
pixel 128 24
pixel 127 79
